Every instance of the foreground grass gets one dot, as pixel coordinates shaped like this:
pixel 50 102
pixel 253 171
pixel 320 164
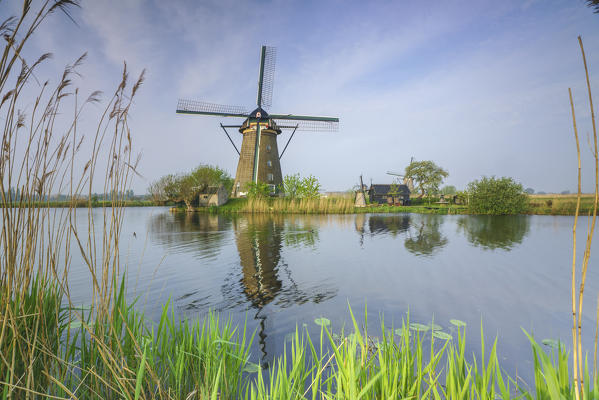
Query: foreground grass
pixel 123 354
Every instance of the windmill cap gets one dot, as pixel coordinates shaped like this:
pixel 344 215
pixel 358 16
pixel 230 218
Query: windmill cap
pixel 259 113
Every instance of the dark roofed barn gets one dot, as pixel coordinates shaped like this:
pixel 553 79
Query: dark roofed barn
pixel 389 194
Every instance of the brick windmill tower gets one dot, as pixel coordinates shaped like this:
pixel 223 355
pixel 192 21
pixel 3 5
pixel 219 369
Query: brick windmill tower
pixel 259 158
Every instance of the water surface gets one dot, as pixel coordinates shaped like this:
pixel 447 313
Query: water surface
pixel 510 273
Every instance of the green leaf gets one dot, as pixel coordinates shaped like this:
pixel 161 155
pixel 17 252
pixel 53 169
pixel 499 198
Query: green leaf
pixel 74 324
pixel 252 368
pixel 399 332
pixel 435 327
pixel 550 342
pixel 457 322
pixel 442 335
pixel 419 327
pixel 322 321
pixel 140 375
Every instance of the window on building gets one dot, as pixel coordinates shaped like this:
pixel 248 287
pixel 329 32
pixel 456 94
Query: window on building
pixel 269 163
pixel 268 148
pixel 270 177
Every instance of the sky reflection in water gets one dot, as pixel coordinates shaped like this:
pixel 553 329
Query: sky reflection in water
pixel 282 271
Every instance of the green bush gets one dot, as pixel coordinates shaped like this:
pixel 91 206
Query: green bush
pixel 296 187
pixel 258 190
pixel 497 196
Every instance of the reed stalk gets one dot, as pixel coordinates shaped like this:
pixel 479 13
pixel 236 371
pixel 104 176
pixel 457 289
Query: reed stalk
pixel 578 366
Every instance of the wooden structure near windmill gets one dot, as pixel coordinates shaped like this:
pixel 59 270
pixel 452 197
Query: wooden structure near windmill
pixel 259 158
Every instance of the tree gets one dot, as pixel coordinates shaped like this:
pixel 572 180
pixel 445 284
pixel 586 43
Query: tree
pixel 497 196
pixel 309 188
pixel 208 175
pixel 258 190
pixel 186 187
pixel 291 185
pixel 449 190
pixel 304 188
pixel 427 175
pixel 565 192
pixel 393 190
pixel 529 191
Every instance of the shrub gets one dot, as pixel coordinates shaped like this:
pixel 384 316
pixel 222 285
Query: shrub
pixel 258 190
pixel 303 188
pixel 497 196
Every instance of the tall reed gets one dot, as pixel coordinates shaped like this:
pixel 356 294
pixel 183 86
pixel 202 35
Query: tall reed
pixel 578 362
pixel 321 205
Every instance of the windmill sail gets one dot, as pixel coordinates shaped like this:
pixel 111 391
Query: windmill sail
pixel 259 159
pixel 267 76
pixel 307 123
pixel 204 108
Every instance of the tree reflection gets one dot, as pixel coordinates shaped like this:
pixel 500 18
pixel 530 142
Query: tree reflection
pixel 300 232
pixel 494 232
pixel 200 233
pixel 424 236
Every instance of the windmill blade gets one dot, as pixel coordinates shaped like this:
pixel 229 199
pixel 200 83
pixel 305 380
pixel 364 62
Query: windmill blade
pixel 394 173
pixel 307 123
pixel 204 108
pixel 266 77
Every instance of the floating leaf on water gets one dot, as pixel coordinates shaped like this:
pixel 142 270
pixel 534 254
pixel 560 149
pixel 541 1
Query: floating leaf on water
pixel 336 336
pixel 322 321
pixel 442 335
pixel 419 327
pixel 457 322
pixel 399 332
pixel 435 327
pixel 252 368
pixel 75 325
pixel 550 342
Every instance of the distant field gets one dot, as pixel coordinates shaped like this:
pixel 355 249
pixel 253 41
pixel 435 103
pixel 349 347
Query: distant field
pixel 560 196
pixel 560 204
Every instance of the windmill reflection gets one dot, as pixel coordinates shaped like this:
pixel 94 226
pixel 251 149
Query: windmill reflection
pixel 266 278
pixel 197 233
pixel 261 277
pixel 258 240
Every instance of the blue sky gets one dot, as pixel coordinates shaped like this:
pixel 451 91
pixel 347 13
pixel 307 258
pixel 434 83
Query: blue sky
pixel 479 87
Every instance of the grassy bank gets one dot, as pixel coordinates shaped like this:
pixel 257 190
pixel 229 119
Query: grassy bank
pixel 330 205
pixel 81 204
pixel 122 354
pixel 538 205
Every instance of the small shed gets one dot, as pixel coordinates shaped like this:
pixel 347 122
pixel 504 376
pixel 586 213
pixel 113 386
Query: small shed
pixel 213 196
pixel 389 194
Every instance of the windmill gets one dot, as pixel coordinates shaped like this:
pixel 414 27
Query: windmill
pixel 409 182
pixel 259 158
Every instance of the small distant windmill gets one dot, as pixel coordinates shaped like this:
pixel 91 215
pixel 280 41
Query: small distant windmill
pixel 259 158
pixel 409 182
pixel 360 195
